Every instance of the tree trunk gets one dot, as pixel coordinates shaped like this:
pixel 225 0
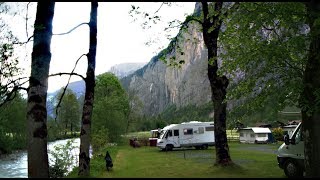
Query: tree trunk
pixel 38 166
pixel 66 129
pixel 218 83
pixel 84 158
pixel 310 95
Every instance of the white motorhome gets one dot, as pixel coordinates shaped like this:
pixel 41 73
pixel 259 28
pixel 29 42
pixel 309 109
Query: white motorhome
pixel 188 134
pixel 290 154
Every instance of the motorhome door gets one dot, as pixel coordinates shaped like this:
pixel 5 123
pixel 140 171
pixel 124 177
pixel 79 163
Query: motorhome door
pixel 187 136
pixel 172 137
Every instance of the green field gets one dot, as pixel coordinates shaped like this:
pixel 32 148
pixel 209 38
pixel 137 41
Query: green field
pixel 252 160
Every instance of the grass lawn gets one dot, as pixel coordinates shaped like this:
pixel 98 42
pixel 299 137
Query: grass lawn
pixel 252 160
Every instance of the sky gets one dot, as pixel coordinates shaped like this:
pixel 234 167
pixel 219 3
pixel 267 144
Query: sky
pixel 120 39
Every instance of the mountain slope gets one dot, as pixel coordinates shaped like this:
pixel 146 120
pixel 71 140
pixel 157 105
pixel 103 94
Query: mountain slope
pixel 159 86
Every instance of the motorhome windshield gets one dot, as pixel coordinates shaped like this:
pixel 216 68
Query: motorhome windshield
pixel 162 133
pixel 296 132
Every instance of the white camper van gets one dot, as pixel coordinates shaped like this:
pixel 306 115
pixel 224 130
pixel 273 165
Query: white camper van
pixel 290 154
pixel 188 134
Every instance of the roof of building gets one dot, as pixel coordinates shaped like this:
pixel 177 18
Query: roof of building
pixel 290 126
pixel 261 124
pixel 294 122
pixel 257 129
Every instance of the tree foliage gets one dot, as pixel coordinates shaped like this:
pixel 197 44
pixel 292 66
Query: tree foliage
pixel 61 159
pixel 13 125
pixel 111 108
pixel 10 79
pixel 68 112
pixel 264 52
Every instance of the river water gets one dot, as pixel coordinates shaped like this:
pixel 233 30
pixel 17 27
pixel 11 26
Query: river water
pixel 15 165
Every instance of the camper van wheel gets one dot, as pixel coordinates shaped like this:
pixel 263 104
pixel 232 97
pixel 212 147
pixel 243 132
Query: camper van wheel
pixel 204 146
pixel 169 147
pixel 292 169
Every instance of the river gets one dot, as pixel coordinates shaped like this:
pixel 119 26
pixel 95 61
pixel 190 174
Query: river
pixel 15 165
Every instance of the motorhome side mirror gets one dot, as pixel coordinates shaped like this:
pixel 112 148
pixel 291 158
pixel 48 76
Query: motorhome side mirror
pixel 286 139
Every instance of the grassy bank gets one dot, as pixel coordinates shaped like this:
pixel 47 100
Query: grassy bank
pixel 252 160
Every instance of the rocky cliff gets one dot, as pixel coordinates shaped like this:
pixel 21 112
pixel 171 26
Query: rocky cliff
pixel 124 69
pixel 159 85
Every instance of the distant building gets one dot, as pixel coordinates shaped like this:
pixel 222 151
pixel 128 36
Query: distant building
pixel 255 135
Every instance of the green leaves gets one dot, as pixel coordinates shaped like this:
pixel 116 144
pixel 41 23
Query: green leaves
pixel 68 117
pixel 265 54
pixel 61 159
pixel 111 107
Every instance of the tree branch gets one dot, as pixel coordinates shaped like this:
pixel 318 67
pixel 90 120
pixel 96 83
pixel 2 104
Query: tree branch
pixel 27 18
pixel 71 29
pixel 159 8
pixel 8 96
pixel 23 42
pixel 70 74
pixel 65 88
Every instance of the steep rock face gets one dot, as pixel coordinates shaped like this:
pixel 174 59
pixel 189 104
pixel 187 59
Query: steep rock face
pixel 159 85
pixel 124 69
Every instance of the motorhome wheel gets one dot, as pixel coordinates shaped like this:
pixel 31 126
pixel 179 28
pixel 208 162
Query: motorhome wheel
pixel 169 147
pixel 291 169
pixel 204 146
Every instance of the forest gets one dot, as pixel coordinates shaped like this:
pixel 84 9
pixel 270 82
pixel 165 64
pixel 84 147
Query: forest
pixel 263 57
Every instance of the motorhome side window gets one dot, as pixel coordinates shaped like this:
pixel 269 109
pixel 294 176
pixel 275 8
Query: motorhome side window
pixel 201 130
pixel 176 132
pixel 187 131
pixel 209 128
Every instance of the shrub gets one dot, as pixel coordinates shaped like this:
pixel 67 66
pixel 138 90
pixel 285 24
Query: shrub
pixel 61 159
pixel 99 139
pixel 278 134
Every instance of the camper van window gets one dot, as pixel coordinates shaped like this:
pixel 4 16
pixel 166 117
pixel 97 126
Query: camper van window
pixel 188 131
pixel 298 137
pixel 209 128
pixel 262 135
pixel 201 130
pixel 169 133
pixel 176 132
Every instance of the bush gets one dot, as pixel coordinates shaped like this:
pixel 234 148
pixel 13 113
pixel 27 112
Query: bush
pixel 62 159
pixel 278 134
pixel 99 139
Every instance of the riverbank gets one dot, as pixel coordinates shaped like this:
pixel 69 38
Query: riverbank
pixel 21 147
pixel 14 165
